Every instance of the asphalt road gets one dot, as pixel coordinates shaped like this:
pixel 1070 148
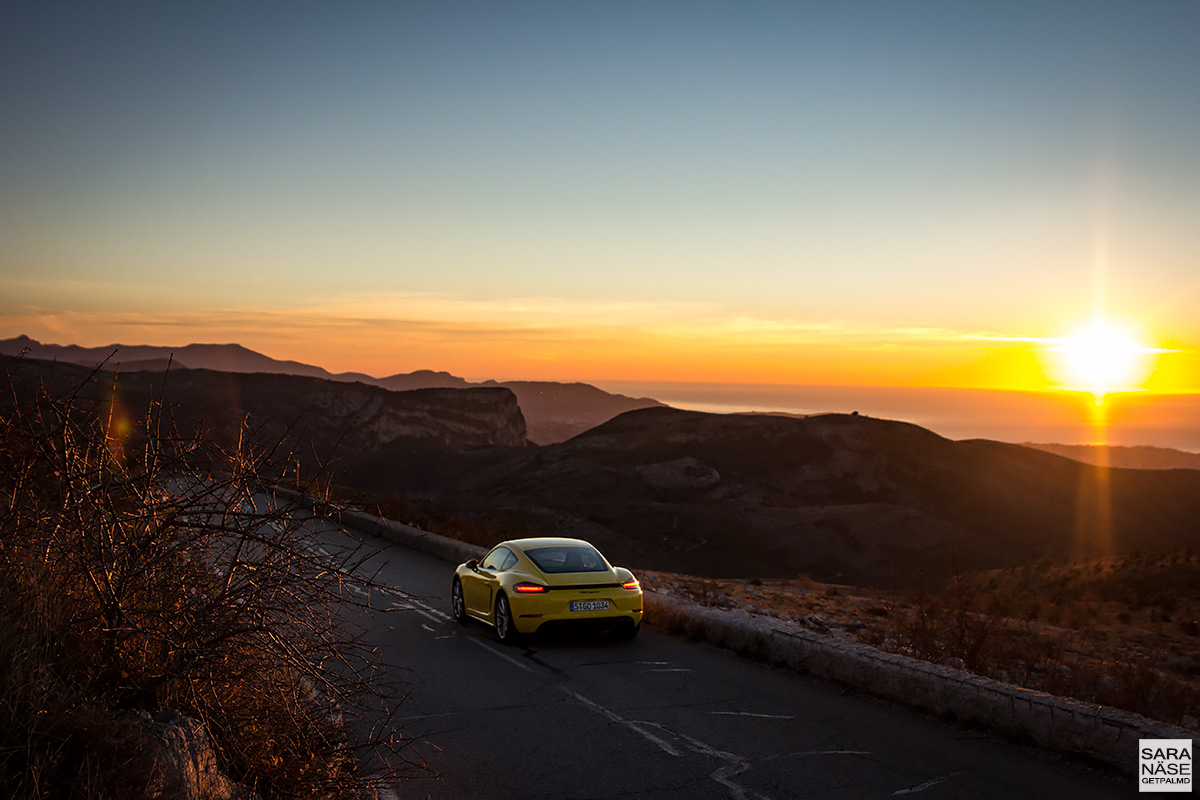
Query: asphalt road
pixel 660 718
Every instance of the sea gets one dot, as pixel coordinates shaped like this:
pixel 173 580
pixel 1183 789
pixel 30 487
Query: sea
pixel 1126 418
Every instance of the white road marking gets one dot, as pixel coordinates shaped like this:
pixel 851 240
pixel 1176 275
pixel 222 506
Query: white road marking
pixel 411 603
pixel 496 652
pixel 922 787
pixel 403 602
pixel 666 666
pixel 426 627
pixel 722 775
pixel 617 718
pixel 427 615
pixel 750 714
pixel 419 608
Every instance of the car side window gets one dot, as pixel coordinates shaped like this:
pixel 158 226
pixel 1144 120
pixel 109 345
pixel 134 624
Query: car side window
pixel 497 559
pixel 510 561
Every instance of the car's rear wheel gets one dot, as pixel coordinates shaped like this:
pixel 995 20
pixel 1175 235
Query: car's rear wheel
pixel 505 628
pixel 458 604
pixel 628 629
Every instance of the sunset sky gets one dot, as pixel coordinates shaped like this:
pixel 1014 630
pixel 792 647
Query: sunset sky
pixel 908 193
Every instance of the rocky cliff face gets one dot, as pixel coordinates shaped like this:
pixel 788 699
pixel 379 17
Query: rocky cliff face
pixel 315 420
pixel 340 419
pixel 456 417
pixel 553 412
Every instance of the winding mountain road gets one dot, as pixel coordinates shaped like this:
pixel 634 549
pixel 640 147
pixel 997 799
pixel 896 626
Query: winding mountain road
pixel 661 718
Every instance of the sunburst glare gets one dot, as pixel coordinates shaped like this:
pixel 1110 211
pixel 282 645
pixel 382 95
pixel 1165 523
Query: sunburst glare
pixel 1101 358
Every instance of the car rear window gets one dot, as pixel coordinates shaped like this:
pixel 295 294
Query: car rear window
pixel 567 558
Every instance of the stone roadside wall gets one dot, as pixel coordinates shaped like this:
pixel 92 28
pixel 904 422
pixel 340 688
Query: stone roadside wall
pixel 1109 736
pixel 1106 735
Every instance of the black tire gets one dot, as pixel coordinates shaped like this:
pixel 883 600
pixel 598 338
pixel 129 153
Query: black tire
pixel 505 628
pixel 458 604
pixel 628 630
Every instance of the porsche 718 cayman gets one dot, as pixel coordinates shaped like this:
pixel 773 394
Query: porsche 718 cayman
pixel 523 584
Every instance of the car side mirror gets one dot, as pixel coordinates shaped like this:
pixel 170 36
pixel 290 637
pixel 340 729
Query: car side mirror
pixel 473 564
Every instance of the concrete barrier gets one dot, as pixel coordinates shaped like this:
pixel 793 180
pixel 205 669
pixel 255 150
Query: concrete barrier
pixel 1105 735
pixel 433 544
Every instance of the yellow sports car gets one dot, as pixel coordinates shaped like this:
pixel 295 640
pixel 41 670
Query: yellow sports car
pixel 524 584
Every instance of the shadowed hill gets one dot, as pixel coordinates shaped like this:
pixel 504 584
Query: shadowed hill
pixel 557 411
pixel 318 419
pixel 553 412
pixel 222 357
pixel 1135 457
pixel 843 497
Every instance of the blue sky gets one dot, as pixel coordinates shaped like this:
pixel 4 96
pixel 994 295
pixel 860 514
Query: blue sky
pixel 856 191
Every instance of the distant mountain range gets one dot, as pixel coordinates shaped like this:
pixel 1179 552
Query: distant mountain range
pixel 1126 457
pixel 841 497
pixel 553 411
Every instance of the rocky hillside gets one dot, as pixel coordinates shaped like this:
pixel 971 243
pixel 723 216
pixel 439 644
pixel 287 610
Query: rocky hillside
pixel 320 420
pixel 553 411
pixel 844 498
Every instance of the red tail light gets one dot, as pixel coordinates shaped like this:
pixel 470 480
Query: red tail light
pixel 631 584
pixel 530 588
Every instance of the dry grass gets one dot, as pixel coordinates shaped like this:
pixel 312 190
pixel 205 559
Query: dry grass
pixel 132 580
pixel 1121 632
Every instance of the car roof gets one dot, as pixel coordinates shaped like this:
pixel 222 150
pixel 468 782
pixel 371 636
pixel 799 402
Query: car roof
pixel 543 541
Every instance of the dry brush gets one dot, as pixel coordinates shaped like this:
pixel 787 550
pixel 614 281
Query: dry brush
pixel 145 571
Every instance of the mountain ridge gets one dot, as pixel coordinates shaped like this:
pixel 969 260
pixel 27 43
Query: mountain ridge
pixel 323 424
pixel 843 498
pixel 553 411
pixel 1124 456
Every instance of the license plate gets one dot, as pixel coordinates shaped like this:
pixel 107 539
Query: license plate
pixel 589 605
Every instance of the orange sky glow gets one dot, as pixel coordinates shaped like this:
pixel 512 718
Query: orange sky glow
pixel 780 194
pixel 634 342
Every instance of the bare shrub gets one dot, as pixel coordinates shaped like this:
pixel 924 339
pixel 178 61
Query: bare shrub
pixel 947 629
pixel 1049 628
pixel 146 570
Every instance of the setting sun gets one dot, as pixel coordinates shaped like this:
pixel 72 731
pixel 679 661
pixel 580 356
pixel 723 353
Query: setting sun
pixel 1102 358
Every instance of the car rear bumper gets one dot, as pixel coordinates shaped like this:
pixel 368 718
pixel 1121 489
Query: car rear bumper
pixel 531 612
